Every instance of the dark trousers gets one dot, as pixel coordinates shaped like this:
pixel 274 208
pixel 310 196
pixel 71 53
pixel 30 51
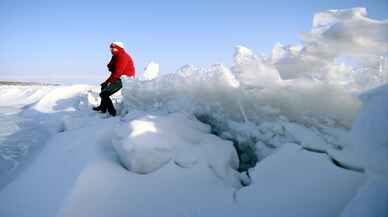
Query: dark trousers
pixel 106 92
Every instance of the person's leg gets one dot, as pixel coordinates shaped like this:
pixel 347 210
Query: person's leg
pixel 113 87
pixel 102 106
pixel 109 90
pixel 109 105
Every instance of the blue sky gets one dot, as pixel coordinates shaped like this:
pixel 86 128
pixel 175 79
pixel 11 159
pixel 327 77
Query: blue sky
pixel 67 41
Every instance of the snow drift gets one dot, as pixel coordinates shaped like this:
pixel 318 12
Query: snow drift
pixel 152 141
pixel 22 95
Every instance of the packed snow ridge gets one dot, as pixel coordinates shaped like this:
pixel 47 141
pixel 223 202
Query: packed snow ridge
pixel 262 137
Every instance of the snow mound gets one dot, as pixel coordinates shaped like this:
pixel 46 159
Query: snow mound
pixel 19 96
pixel 148 143
pixel 144 150
pixel 64 98
pixel 151 71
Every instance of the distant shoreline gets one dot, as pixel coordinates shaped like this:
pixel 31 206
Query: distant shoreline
pixel 21 83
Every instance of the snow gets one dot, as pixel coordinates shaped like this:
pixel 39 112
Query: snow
pixel 368 151
pixel 170 191
pixel 151 71
pixel 350 31
pixel 309 139
pixel 369 141
pixel 90 160
pixel 152 141
pixel 254 71
pixel 298 133
pixel 335 35
pixel 295 182
pixel 371 199
pixel 368 130
pixel 42 186
pixel 61 99
pixel 216 90
pixel 20 96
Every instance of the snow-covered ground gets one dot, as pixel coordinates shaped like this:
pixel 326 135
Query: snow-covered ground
pixel 293 134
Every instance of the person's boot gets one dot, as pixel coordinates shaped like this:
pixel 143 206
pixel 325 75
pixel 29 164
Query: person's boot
pixel 101 107
pixel 113 112
pixel 103 110
pixel 97 108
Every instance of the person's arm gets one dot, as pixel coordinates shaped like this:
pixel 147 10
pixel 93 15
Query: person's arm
pixel 110 69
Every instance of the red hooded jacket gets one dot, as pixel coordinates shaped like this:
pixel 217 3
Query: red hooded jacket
pixel 120 64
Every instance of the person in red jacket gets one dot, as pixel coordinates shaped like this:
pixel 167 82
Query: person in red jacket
pixel 120 64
